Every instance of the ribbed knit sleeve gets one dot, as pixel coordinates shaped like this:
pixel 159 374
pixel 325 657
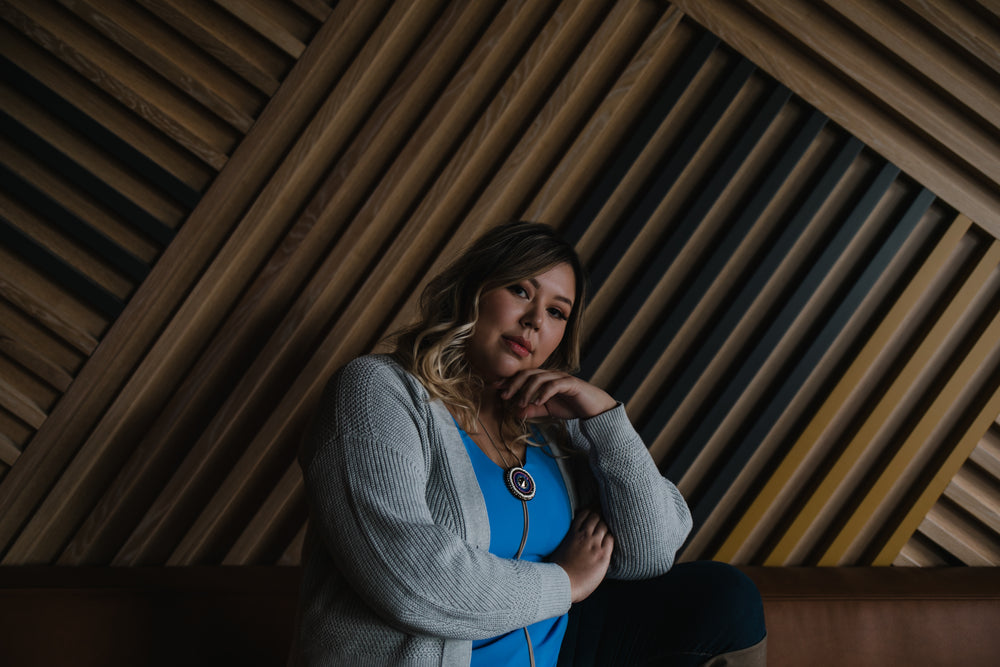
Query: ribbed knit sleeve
pixel 646 513
pixel 380 502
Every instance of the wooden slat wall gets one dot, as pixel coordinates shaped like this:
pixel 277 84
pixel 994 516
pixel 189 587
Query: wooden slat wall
pixel 801 314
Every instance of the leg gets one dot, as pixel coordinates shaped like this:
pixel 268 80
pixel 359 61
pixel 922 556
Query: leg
pixel 685 617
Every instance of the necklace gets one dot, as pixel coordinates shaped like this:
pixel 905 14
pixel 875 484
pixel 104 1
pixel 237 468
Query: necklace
pixel 519 481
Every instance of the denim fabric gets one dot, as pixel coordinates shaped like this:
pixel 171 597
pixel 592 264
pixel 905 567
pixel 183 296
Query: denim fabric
pixel 693 612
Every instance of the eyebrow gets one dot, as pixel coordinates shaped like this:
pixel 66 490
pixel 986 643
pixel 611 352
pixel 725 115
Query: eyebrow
pixel 558 297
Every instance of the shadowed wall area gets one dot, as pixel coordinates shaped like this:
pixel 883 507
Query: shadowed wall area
pixel 790 211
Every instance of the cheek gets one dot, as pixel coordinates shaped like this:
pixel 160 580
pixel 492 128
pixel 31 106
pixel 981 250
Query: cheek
pixel 553 341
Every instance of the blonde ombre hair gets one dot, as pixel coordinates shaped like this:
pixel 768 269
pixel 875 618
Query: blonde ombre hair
pixel 433 348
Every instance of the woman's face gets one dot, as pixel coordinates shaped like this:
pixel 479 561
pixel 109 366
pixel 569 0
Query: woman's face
pixel 520 325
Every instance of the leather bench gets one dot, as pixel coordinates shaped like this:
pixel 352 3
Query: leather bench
pixel 244 616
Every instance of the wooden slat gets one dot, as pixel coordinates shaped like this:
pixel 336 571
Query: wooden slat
pixel 14 401
pixel 80 162
pixel 804 522
pixel 293 554
pixel 29 357
pixel 265 516
pixel 776 440
pixel 48 306
pixel 77 203
pixel 276 33
pixel 477 167
pixel 987 454
pixel 978 496
pixel 172 58
pixel 403 131
pixel 194 134
pixel 21 327
pixel 892 480
pixel 806 346
pixel 831 92
pixel 963 27
pixel 68 150
pixel 102 377
pixel 283 501
pixel 891 30
pixel 945 526
pixel 803 453
pixel 318 9
pixel 8 451
pixel 15 430
pixel 80 258
pixel 933 488
pixel 225 42
pixel 569 107
pixel 879 76
pixel 50 74
pixel 285 276
pixel 811 444
pixel 611 126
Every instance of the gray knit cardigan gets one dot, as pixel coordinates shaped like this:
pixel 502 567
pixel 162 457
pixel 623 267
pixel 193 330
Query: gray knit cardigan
pixel 396 567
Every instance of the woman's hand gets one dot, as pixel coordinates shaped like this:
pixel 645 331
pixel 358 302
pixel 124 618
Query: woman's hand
pixel 585 553
pixel 540 393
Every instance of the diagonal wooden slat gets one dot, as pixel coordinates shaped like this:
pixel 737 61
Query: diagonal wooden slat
pixel 780 481
pixel 276 285
pixel 99 381
pixel 928 494
pixel 749 27
pixel 961 388
pixel 804 522
pixel 358 156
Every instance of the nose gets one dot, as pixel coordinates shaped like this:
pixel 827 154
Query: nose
pixel 532 318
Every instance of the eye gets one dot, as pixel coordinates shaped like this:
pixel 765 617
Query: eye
pixel 558 314
pixel 518 290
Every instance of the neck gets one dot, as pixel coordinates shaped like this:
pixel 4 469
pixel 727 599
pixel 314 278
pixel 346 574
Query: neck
pixel 490 406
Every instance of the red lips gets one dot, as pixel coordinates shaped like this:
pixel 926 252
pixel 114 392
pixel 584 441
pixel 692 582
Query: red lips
pixel 520 346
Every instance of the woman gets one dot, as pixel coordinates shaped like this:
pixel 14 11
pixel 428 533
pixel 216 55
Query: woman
pixel 466 490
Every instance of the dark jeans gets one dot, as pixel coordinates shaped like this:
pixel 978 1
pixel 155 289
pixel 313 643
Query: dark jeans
pixel 684 617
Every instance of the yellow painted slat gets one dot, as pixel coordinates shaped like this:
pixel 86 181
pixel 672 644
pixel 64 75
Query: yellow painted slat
pixel 882 412
pixel 931 419
pixel 842 392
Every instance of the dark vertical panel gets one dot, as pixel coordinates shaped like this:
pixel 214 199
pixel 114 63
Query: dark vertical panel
pixel 734 234
pixel 633 147
pixel 747 291
pixel 832 247
pixel 665 178
pixel 798 368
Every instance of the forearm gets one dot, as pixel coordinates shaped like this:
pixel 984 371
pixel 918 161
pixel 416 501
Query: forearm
pixel 647 514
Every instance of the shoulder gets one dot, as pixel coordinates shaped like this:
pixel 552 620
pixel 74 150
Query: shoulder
pixel 368 396
pixel 374 374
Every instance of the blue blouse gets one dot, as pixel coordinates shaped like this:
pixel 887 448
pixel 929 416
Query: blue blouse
pixel 549 517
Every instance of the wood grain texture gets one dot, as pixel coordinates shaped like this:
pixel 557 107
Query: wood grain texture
pixel 790 226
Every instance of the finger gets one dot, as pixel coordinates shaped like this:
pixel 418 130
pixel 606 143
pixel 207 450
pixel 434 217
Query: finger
pixel 609 541
pixel 533 411
pixel 537 385
pixel 562 386
pixel 515 383
pixel 592 523
pixel 580 518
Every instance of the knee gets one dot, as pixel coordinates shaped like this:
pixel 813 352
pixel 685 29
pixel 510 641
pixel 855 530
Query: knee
pixel 734 600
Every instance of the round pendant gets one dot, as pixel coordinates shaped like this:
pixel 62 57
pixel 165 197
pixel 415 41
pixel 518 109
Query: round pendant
pixel 520 483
